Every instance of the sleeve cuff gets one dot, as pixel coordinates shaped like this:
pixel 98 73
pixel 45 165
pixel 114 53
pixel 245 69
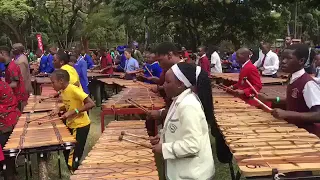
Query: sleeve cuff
pixel 167 151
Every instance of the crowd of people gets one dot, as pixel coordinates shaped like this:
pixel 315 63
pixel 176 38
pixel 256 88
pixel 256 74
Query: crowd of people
pixel 182 79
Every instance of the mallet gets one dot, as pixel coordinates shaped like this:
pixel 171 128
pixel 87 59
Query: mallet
pixel 123 133
pixel 121 138
pixel 248 82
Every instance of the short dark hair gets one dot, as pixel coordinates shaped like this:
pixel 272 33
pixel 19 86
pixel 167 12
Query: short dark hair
pixel 5 49
pixel 73 58
pixel 64 57
pixel 300 51
pixel 61 74
pixel 165 48
pixel 129 50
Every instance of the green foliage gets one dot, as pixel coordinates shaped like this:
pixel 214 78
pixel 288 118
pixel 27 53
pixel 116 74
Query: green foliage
pixel 16 9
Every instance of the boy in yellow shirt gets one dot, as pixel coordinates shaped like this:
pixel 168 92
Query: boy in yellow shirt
pixel 76 103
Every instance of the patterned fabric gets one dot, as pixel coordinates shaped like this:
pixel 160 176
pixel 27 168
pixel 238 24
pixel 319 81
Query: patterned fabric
pixel 13 73
pixel 9 113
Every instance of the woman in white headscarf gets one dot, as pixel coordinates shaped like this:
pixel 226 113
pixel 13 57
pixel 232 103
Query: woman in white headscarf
pixel 184 141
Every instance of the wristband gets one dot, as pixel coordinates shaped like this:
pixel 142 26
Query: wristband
pixel 76 110
pixel 277 99
pixel 59 92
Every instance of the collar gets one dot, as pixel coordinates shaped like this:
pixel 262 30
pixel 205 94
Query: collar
pixel 203 56
pixel 181 96
pixel 268 53
pixel 297 75
pixel 41 56
pixel 156 62
pixel 245 63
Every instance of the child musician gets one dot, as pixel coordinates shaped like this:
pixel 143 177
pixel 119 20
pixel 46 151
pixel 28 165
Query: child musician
pixel 14 77
pixel 76 104
pixel 250 72
pixel 303 100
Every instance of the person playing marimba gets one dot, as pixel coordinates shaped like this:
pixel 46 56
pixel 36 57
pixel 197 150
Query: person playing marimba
pixel 14 77
pixel 76 103
pixel 250 72
pixel 9 115
pixel 184 142
pixel 303 93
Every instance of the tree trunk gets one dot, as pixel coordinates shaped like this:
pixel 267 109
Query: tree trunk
pixel 85 43
pixel 14 30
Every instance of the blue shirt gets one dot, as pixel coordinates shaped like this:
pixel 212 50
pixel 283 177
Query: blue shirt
pixel 81 68
pixel 155 70
pixel 50 67
pixel 131 65
pixel 89 61
pixel 122 64
pixel 43 63
pixel 2 69
pixel 234 67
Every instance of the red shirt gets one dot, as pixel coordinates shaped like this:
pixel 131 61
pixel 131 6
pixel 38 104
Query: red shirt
pixel 253 76
pixel 13 73
pixel 106 61
pixel 9 113
pixel 186 55
pixel 205 64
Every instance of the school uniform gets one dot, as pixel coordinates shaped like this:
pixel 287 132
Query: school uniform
pixel 49 66
pixel 303 94
pixel 121 66
pixel 155 70
pixel 22 61
pixel 81 68
pixel 270 63
pixel 185 140
pixel 106 61
pixel 131 65
pixel 205 64
pixel 251 72
pixel 88 60
pixel 13 73
pixel 43 63
pixel 2 69
pixel 79 126
pixel 73 74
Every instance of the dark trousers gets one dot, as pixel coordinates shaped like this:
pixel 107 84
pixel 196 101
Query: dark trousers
pixel 76 153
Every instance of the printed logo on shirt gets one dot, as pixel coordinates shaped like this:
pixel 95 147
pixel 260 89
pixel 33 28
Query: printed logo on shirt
pixel 295 92
pixel 173 128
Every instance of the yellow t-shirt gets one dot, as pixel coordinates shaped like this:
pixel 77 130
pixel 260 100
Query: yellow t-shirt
pixel 74 77
pixel 73 98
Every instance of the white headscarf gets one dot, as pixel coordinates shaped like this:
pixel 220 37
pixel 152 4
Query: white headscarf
pixel 177 72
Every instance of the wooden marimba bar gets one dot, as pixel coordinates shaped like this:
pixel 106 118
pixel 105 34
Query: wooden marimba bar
pixel 35 105
pixel 37 133
pixel 230 78
pixel 114 159
pixel 261 143
pixel 118 104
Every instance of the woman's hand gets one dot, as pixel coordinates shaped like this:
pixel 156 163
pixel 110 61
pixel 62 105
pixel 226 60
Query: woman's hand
pixel 153 114
pixel 154 139
pixel 157 148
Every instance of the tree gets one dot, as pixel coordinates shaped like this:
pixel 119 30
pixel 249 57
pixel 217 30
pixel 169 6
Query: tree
pixel 13 13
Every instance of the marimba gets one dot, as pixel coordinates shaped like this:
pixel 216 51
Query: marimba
pixel 234 77
pixel 47 90
pixel 274 91
pixel 38 82
pixel 261 143
pixel 31 137
pixel 34 104
pixel 114 159
pixel 118 104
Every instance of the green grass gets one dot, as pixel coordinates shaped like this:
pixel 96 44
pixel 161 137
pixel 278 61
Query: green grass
pixel 222 170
